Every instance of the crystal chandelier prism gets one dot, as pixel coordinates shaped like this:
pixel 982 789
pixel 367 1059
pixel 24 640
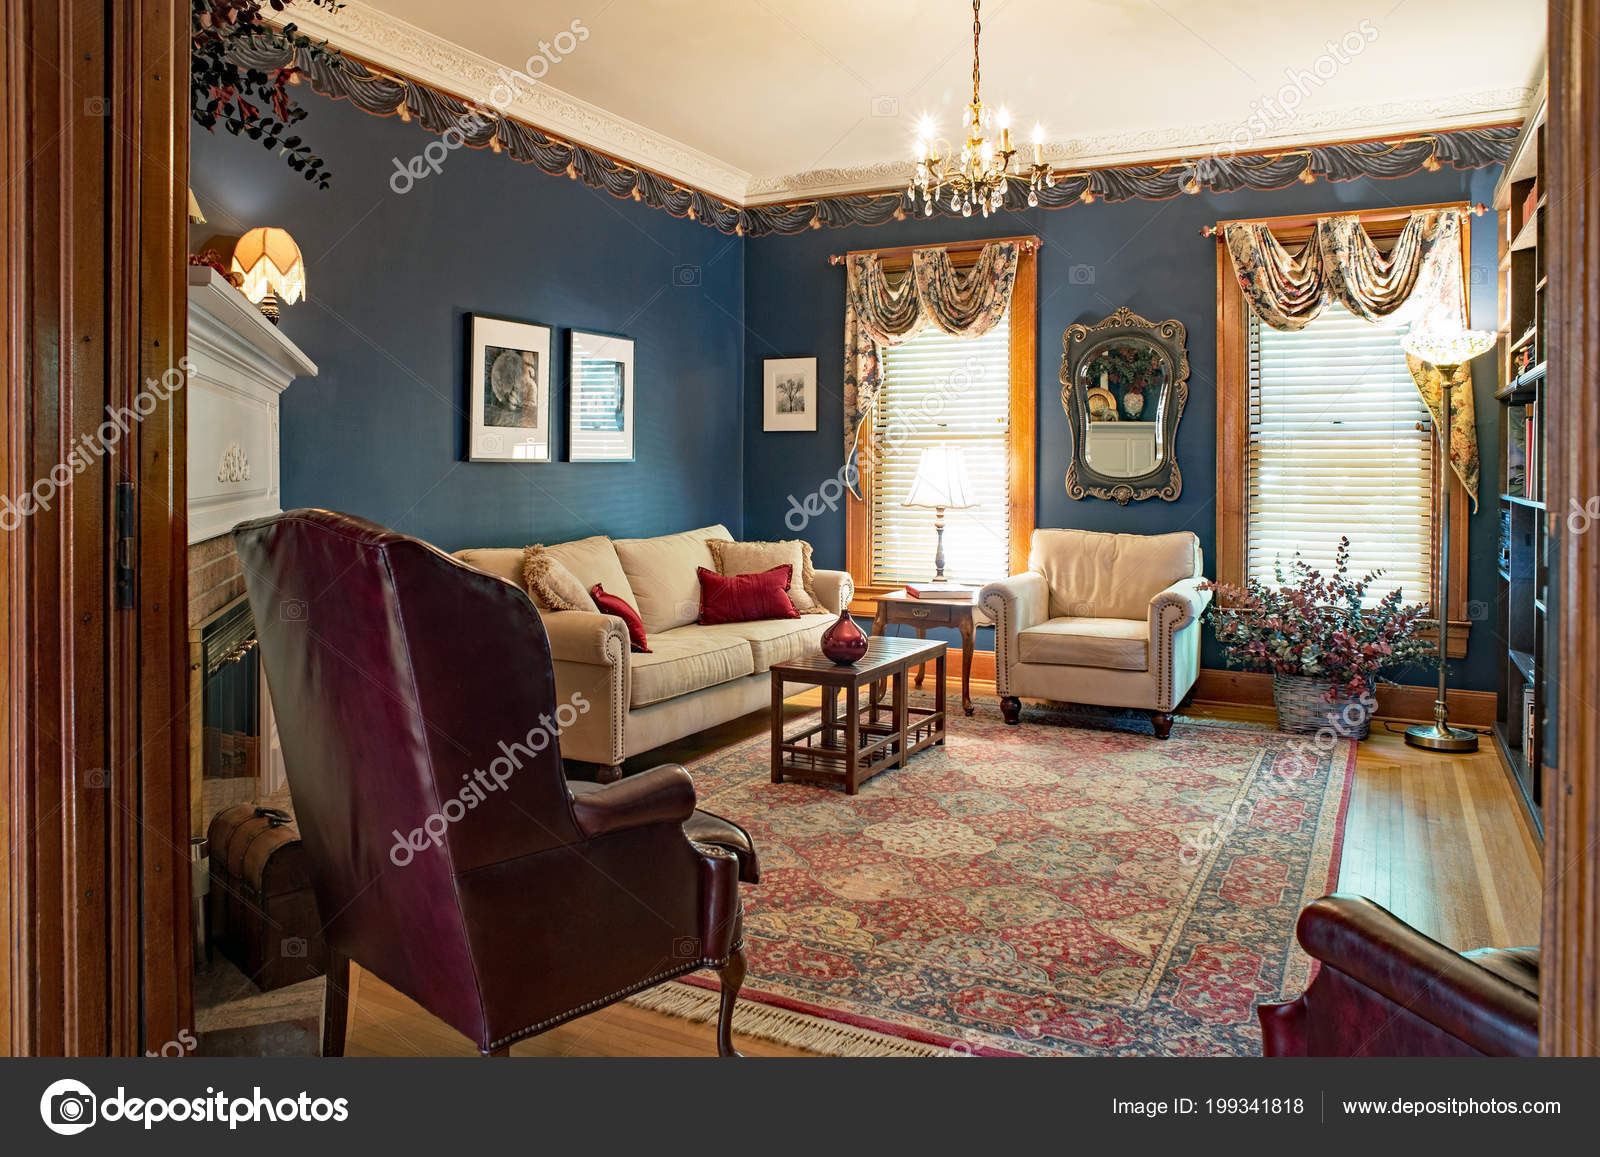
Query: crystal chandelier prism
pixel 980 174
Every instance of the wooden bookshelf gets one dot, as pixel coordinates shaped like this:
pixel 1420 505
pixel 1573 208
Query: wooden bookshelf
pixel 1526 526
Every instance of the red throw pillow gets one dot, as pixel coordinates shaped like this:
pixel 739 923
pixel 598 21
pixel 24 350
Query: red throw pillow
pixel 745 598
pixel 615 605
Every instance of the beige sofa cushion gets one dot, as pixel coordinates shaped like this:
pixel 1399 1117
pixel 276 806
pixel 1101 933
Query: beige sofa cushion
pixel 686 660
pixel 502 562
pixel 754 557
pixel 1110 576
pixel 776 640
pixel 594 560
pixel 1114 644
pixel 664 575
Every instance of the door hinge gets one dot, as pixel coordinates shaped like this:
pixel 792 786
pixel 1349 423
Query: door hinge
pixel 122 562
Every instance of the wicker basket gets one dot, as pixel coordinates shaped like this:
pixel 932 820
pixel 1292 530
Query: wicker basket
pixel 1304 707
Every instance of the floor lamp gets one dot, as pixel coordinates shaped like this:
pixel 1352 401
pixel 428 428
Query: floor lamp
pixel 1446 351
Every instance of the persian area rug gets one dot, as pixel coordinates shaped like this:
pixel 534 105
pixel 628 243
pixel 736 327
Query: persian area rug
pixel 1042 890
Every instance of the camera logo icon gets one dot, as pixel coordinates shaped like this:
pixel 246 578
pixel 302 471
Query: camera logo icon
pixel 67 1107
pixel 294 948
pixel 885 106
pixel 292 610
pixel 1080 275
pixel 685 276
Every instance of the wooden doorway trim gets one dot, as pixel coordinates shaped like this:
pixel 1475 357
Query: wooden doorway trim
pixel 93 306
pixel 1570 982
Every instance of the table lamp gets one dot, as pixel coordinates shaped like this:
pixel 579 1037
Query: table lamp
pixel 941 483
pixel 1446 351
pixel 270 263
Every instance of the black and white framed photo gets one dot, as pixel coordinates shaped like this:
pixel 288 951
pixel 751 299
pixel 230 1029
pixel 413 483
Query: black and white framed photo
pixel 600 389
pixel 789 394
pixel 508 404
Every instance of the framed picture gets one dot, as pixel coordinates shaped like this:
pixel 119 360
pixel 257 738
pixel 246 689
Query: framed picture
pixel 789 394
pixel 508 404
pixel 600 388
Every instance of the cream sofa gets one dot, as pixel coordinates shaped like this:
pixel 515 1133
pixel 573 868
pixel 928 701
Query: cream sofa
pixel 694 677
pixel 1108 619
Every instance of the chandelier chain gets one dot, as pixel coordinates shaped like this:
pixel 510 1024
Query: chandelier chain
pixel 977 30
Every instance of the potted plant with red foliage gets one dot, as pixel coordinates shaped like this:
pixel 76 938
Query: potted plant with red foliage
pixel 1322 639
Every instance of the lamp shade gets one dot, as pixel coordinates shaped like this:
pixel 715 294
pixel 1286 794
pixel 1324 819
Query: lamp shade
pixel 269 261
pixel 1449 347
pixel 941 480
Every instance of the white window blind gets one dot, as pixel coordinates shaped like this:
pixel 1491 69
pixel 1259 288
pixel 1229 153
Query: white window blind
pixel 939 388
pixel 1340 444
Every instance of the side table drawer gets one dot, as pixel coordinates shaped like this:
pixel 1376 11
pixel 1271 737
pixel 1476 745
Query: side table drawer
pixel 929 614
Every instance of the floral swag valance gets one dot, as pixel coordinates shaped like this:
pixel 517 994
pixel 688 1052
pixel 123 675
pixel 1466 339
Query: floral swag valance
pixel 889 309
pixel 1419 280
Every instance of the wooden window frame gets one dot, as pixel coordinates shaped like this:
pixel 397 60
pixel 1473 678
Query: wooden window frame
pixel 1022 429
pixel 1233 417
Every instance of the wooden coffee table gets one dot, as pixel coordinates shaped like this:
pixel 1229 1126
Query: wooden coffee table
pixel 850 748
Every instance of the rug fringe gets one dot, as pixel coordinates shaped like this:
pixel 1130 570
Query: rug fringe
pixel 796 1029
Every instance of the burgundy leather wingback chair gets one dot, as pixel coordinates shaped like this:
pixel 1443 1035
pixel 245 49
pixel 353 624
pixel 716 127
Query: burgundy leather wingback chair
pixel 450 857
pixel 1386 990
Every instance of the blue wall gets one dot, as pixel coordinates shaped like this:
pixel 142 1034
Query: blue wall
pixel 391 277
pixel 380 431
pixel 1145 255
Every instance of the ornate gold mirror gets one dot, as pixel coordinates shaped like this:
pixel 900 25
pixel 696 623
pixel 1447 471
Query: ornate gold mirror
pixel 1124 381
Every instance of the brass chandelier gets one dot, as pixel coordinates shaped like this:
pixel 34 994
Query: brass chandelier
pixel 978 176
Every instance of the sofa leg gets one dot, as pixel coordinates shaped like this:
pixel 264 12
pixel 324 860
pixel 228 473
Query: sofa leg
pixel 1162 722
pixel 1011 710
pixel 732 979
pixel 609 774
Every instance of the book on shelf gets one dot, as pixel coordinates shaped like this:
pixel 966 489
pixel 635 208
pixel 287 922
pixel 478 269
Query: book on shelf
pixel 942 592
pixel 1505 539
pixel 1529 721
pixel 1531 441
pixel 1516 456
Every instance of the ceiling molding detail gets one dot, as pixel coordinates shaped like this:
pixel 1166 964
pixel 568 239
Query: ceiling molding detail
pixel 1495 106
pixel 392 43
pixel 382 94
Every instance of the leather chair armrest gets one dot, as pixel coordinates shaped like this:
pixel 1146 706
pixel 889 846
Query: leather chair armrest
pixel 1013 605
pixel 1433 982
pixel 662 795
pixel 834 588
pixel 586 637
pixel 1183 597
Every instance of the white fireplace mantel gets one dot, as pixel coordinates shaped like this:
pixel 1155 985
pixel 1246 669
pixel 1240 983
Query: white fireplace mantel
pixel 241 363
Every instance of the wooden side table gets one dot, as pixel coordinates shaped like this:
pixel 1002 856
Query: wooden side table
pixel 897 607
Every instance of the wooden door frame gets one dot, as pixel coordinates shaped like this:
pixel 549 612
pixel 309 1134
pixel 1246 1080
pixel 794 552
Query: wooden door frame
pixel 93 694
pixel 1570 973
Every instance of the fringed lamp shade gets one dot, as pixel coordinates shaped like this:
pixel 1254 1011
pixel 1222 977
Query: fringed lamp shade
pixel 270 263
pixel 1444 348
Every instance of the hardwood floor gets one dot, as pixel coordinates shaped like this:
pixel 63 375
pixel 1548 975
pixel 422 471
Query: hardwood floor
pixel 1438 840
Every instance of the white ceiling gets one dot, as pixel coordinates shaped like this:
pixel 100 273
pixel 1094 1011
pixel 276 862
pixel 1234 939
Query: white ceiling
pixel 759 100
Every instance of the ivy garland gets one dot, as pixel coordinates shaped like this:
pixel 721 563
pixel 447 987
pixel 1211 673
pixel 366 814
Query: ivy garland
pixel 253 102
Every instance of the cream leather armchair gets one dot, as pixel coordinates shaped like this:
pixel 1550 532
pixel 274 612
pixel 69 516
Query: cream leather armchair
pixel 1107 619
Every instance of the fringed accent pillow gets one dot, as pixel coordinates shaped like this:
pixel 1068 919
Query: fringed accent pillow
pixel 736 558
pixel 551 585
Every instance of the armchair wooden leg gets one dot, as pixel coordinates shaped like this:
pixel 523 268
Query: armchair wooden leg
pixel 1011 710
pixel 335 1004
pixel 609 774
pixel 1162 722
pixel 732 978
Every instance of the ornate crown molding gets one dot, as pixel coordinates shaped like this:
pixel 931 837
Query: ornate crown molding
pixel 1392 119
pixel 389 42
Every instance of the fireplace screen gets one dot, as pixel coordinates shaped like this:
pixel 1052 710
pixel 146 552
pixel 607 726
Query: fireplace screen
pixel 226 666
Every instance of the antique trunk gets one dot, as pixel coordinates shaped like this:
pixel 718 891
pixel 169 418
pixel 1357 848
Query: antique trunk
pixel 263 913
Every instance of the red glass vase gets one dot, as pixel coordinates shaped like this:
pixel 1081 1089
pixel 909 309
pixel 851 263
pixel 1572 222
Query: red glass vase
pixel 844 642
